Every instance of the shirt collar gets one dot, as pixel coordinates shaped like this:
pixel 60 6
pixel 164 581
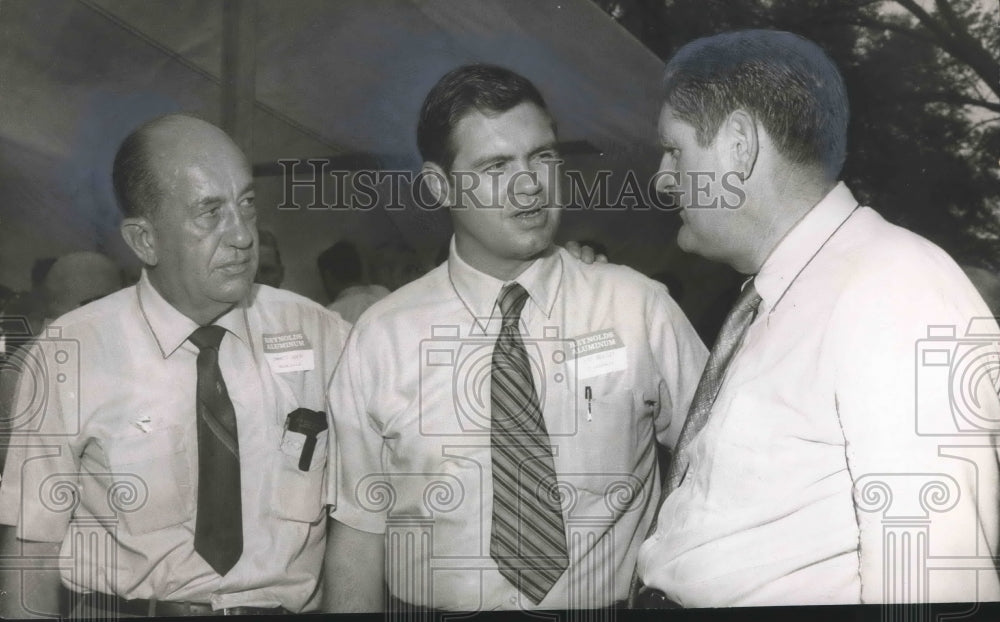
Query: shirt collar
pixel 479 291
pixel 171 328
pixel 802 243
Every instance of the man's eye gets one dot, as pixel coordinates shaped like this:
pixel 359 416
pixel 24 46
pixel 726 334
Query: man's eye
pixel 499 165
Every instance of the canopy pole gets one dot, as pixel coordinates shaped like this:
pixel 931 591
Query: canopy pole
pixel 239 26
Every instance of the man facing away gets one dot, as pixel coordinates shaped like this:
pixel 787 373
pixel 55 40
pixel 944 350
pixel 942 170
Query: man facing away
pixel 176 457
pixel 840 446
pixel 497 418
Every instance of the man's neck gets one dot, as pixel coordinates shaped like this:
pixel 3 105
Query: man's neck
pixel 501 269
pixel 202 316
pixel 781 208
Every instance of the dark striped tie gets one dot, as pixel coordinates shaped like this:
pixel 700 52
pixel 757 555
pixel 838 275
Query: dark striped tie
pixel 218 535
pixel 730 337
pixel 528 539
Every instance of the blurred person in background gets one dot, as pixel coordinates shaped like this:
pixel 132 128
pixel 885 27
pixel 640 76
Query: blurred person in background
pixel 270 270
pixel 342 274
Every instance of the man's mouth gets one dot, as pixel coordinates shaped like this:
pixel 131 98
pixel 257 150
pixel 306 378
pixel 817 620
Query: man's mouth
pixel 529 214
pixel 234 268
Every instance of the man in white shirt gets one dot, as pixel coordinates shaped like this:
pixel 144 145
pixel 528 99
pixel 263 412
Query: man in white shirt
pixel 152 473
pixel 847 456
pixel 428 394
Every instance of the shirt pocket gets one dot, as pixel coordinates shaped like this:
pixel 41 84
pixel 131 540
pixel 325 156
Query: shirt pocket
pixel 151 486
pixel 299 495
pixel 604 445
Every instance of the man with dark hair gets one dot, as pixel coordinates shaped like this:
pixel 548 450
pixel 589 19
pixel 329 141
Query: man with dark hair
pixel 501 413
pixel 270 270
pixel 483 88
pixel 394 264
pixel 342 274
pixel 834 398
pixel 181 470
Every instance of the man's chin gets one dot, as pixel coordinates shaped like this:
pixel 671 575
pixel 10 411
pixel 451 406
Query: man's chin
pixel 685 240
pixel 234 290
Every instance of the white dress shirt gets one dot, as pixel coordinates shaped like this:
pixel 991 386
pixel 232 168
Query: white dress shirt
pixel 353 301
pixel 411 405
pixel 836 439
pixel 104 458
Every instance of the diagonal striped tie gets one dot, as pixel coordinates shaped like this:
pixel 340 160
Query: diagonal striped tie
pixel 218 535
pixel 730 337
pixel 528 538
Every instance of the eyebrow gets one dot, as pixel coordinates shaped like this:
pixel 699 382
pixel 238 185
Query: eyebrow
pixel 552 146
pixel 503 157
pixel 213 199
pixel 490 158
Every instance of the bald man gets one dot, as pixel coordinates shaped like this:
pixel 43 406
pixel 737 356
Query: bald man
pixel 181 469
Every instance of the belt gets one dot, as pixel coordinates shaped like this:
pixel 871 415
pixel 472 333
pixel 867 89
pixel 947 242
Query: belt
pixel 401 606
pixel 168 608
pixel 652 598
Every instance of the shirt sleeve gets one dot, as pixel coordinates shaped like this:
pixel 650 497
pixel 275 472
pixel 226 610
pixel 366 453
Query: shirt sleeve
pixel 680 355
pixel 358 492
pixel 40 485
pixel 923 487
pixel 335 335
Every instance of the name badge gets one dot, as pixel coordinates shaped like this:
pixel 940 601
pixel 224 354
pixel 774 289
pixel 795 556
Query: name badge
pixel 288 352
pixel 597 353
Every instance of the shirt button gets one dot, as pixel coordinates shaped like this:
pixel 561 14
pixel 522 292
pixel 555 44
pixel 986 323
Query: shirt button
pixel 513 599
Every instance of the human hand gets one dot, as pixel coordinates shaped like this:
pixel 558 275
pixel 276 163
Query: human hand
pixel 585 253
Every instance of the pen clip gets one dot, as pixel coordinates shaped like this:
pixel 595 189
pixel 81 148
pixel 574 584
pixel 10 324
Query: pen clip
pixel 588 395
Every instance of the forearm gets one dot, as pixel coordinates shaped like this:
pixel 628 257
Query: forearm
pixel 354 570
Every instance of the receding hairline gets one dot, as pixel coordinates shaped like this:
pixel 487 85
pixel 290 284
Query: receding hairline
pixel 169 132
pixel 179 136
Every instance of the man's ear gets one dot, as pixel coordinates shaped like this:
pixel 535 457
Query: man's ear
pixel 436 181
pixel 741 142
pixel 140 235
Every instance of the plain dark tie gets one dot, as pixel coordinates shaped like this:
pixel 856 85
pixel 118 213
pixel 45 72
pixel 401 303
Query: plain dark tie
pixel 218 534
pixel 528 539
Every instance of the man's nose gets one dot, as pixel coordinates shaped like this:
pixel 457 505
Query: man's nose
pixel 526 180
pixel 240 229
pixel 667 178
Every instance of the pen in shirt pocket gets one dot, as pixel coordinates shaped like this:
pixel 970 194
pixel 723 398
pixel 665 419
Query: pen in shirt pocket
pixel 588 395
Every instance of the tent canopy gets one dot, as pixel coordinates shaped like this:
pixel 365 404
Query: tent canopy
pixel 336 80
